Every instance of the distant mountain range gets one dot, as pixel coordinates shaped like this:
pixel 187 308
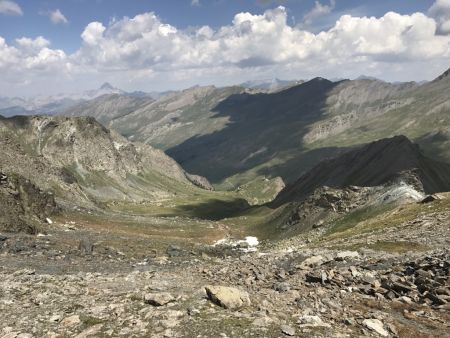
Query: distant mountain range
pixel 232 135
pixel 55 104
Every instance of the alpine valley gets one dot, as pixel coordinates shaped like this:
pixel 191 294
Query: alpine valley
pixel 272 208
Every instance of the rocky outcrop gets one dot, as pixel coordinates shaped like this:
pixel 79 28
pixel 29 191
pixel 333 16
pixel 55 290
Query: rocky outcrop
pixel 24 207
pixel 200 181
pixel 326 204
pixel 394 159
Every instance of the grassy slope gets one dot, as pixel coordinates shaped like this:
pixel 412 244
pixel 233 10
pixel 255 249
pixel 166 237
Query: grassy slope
pixel 149 123
pixel 415 121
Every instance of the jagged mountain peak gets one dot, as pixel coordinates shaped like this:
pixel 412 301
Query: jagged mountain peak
pixel 106 85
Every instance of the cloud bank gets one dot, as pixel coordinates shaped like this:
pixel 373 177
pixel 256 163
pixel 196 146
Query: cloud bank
pixel 144 49
pixel 8 7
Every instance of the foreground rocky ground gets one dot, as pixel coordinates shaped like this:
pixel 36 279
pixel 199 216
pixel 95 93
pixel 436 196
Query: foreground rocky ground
pixel 77 282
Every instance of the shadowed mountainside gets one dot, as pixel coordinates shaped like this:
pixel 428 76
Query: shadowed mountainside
pixel 260 128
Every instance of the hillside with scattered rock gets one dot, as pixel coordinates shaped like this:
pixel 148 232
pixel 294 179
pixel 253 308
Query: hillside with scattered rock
pixel 391 281
pixel 81 160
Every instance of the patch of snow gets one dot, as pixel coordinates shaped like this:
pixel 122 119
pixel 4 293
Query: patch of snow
pixel 402 191
pixel 252 241
pixel 248 244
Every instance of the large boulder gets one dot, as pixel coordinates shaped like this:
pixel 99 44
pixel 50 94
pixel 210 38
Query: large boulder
pixel 227 297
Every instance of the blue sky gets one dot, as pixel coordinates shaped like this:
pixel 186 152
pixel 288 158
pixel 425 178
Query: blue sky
pixel 180 13
pixel 168 48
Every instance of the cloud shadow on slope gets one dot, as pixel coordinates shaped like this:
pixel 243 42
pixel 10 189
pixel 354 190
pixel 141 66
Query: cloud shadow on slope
pixel 261 128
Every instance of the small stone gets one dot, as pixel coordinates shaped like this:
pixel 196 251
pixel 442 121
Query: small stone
pixel 375 325
pixel 311 262
pixel 288 330
pixel 343 255
pixel 158 299
pixel 282 287
pixel 71 321
pixel 309 320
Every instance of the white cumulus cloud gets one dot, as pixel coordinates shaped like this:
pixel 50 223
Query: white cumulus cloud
pixel 8 7
pixel 30 58
pixel 32 45
pixel 393 46
pixel 57 17
pixel 259 40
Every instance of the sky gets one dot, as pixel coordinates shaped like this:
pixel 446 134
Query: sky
pixel 53 46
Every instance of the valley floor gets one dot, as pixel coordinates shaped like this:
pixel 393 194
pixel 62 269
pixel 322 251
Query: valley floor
pixel 90 277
